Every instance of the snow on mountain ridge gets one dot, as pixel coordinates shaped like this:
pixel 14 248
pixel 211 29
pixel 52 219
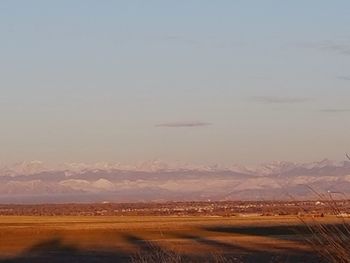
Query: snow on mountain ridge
pixel 154 166
pixel 173 181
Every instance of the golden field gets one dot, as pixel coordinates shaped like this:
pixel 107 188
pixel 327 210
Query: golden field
pixel 117 239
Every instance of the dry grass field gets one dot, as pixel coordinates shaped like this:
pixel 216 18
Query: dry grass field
pixel 125 239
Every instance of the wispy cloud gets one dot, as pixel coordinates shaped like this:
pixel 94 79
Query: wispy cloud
pixel 279 100
pixel 206 42
pixel 180 39
pixel 184 124
pixel 335 110
pixel 344 77
pixel 339 46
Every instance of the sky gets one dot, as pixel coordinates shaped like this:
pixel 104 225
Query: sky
pixel 193 81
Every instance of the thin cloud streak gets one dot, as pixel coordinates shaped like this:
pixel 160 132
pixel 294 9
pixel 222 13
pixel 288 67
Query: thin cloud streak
pixel 335 110
pixel 339 47
pixel 279 100
pixel 207 42
pixel 344 77
pixel 190 124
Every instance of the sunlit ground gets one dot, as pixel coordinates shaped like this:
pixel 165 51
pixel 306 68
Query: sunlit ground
pixel 111 238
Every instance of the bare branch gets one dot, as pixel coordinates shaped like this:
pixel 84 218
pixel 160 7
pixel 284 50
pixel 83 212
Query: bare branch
pixel 347 156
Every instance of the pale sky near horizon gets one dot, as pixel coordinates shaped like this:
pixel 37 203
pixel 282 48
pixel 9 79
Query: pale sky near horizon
pixel 194 81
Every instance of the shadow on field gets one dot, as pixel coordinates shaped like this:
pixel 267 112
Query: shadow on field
pixel 55 251
pixel 148 251
pixel 279 232
pixel 254 254
pixel 216 244
pixel 139 243
pixel 287 232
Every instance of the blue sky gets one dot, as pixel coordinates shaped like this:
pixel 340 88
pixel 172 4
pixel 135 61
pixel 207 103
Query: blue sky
pixel 194 81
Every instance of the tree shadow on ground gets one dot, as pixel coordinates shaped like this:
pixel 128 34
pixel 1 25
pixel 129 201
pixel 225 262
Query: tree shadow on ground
pixel 55 251
pixel 286 232
pixel 244 254
pixel 216 244
pixel 153 253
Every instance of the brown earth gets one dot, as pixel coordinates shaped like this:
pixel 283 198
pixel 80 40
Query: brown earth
pixel 116 239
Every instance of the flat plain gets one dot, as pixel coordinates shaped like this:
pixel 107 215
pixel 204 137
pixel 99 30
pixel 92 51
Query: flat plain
pixel 126 238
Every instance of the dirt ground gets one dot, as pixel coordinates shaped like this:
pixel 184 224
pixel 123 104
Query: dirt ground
pixel 118 239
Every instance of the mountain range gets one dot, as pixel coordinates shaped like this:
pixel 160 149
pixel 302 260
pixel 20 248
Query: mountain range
pixel 37 182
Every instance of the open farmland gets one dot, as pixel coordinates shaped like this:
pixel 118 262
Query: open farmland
pixel 127 238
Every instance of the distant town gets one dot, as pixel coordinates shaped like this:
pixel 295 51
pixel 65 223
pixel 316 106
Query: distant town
pixel 222 209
